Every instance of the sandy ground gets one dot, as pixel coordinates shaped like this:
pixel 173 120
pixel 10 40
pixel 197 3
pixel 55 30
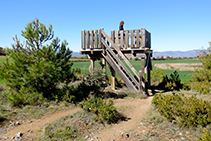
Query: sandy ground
pixel 134 109
pixel 179 66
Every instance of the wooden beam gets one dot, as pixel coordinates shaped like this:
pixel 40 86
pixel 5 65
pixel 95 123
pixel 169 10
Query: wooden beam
pixel 83 39
pixel 142 75
pixel 113 74
pixel 91 67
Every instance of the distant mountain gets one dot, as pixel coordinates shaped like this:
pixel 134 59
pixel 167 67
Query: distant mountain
pixel 77 54
pixel 190 53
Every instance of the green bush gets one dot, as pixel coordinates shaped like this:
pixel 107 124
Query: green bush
pixel 104 111
pixel 201 87
pixel 171 83
pixel 206 136
pixel 156 75
pixel 191 112
pixel 37 69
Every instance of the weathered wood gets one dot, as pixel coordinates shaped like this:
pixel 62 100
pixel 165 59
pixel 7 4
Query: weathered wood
pixel 143 37
pixel 142 78
pixel 91 67
pixel 120 64
pixel 126 39
pixel 83 39
pixel 91 39
pixel 137 38
pixel 122 38
pixel 121 54
pixel 131 39
pixel 87 40
pixel 95 39
pixel 113 75
pixel 113 35
pixel 100 44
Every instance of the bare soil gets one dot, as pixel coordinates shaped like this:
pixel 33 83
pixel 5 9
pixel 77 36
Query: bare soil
pixel 179 66
pixel 134 109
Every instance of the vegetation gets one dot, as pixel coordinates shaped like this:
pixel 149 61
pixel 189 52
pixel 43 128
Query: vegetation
pixel 202 77
pixel 192 113
pixel 103 111
pixel 36 69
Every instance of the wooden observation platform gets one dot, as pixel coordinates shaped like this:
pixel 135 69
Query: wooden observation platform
pixel 116 49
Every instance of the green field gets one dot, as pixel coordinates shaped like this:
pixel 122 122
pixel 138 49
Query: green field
pixel 84 66
pixel 184 75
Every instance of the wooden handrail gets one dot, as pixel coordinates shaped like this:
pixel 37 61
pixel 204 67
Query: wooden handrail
pixel 120 53
pixel 136 38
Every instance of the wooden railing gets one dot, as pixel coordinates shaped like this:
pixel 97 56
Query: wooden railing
pixel 127 39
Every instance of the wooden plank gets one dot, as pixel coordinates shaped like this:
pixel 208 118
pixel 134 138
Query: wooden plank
pixel 120 73
pixel 91 39
pixel 95 39
pixel 126 40
pixel 122 38
pixel 132 37
pixel 143 37
pixel 100 35
pixel 120 64
pixel 87 39
pixel 142 86
pixel 121 55
pixel 83 39
pixel 113 35
pixel 116 37
pixel 91 67
pixel 137 38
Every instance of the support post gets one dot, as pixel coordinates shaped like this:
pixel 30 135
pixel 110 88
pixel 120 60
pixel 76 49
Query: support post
pixel 91 67
pixel 112 78
pixel 148 72
pixel 142 75
pixel 104 65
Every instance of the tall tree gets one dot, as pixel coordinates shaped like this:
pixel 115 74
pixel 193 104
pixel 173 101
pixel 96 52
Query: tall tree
pixel 37 68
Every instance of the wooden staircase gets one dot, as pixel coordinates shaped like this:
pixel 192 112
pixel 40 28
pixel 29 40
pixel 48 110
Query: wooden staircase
pixel 113 56
pixel 135 43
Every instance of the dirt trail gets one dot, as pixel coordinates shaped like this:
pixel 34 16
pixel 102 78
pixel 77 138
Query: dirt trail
pixel 134 109
pixel 39 123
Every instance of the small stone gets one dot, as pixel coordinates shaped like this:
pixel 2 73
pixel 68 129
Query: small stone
pixel 144 131
pixel 180 134
pixel 182 138
pixel 86 137
pixel 137 134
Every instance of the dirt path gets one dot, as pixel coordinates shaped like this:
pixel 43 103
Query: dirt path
pixel 38 124
pixel 134 109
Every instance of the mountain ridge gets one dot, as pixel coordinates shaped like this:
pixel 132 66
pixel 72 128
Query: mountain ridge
pixel 189 53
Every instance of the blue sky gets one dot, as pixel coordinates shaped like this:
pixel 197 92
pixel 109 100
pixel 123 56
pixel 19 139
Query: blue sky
pixel 174 24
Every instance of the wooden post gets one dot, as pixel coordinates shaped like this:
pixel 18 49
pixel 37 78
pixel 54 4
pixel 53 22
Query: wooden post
pixel 112 78
pixel 142 75
pixel 83 39
pixel 91 67
pixel 104 65
pixel 149 68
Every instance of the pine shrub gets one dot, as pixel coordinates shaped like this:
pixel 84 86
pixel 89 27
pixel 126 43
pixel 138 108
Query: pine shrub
pixel 191 112
pixel 36 68
pixel 104 111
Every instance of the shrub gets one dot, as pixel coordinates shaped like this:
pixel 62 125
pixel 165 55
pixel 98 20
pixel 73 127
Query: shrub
pixel 191 112
pixel 171 83
pixel 206 136
pixel 104 111
pixel 202 76
pixel 157 75
pixel 37 69
pixel 201 87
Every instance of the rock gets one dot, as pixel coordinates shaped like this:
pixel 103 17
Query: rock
pixel 3 137
pixel 18 136
pixel 14 123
